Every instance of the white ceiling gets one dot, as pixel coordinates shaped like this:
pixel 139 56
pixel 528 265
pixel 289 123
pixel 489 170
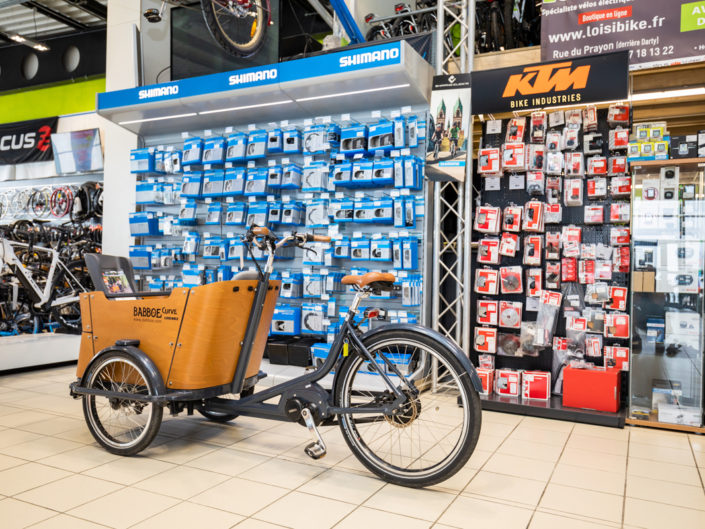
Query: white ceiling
pixel 18 17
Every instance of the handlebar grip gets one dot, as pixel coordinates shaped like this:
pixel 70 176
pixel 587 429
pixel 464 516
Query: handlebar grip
pixel 317 238
pixel 261 231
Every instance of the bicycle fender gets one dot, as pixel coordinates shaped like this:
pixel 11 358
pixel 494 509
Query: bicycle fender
pixel 438 337
pixel 139 357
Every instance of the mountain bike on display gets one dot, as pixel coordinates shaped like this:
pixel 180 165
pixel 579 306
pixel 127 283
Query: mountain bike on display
pixel 404 396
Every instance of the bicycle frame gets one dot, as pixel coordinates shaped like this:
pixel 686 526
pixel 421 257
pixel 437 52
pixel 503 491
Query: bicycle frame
pixel 41 296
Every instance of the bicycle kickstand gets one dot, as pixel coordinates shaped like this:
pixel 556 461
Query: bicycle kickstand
pixel 316 449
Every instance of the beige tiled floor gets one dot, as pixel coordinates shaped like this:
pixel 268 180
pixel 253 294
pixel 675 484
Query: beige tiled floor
pixel 253 474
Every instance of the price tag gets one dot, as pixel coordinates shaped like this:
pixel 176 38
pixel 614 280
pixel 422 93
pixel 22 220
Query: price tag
pixel 271 163
pixel 251 126
pixel 516 181
pixel 209 200
pixel 284 123
pixel 251 200
pixel 207 132
pixel 228 130
pixel 405 191
pixel 251 164
pixel 228 165
pixel 324 119
pixel 406 110
pixel 308 122
pixel 493 183
pixel 207 167
pixel 229 200
pixel 345 117
pixel 396 113
pixel 184 135
pixel 376 114
pixel 285 161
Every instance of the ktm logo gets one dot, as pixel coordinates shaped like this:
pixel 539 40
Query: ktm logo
pixel 547 78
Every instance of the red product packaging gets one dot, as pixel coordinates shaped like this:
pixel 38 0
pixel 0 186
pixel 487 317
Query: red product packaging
pixel 597 165
pixel 617 165
pixel 488 251
pixel 538 127
pixel 533 216
pixel 553 245
pixel 620 212
pixel 586 271
pixel 537 155
pixel 485 362
pixel 619 236
pixel 487 379
pixel 553 214
pixel 603 270
pixel 574 164
pixel 534 282
pixel 532 250
pixel 487 311
pixel 616 325
pixel 507 382
pixel 619 355
pixel 593 345
pixel 510 314
pixel 512 218
pixel 487 219
pixel 511 280
pixel 486 281
pixel 621 186
pixel 597 188
pixel 618 298
pixel 594 215
pixel 590 118
pixel 621 259
pixel 485 340
pixel 509 245
pixel 594 389
pixel 514 157
pixel 489 161
pixel 553 275
pixel 515 130
pixel 618 114
pixel 619 139
pixel 536 385
pixel 569 269
pixel 553 189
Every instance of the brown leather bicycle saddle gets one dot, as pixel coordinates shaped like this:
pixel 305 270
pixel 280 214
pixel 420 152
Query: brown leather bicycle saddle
pixel 376 280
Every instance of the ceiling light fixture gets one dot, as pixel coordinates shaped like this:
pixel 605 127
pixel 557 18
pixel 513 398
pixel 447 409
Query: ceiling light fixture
pixel 685 92
pixel 245 107
pixel 20 39
pixel 190 114
pixel 354 92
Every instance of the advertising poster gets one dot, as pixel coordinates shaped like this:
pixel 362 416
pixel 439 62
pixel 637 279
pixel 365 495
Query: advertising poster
pixel 448 130
pixel 27 141
pixel 655 32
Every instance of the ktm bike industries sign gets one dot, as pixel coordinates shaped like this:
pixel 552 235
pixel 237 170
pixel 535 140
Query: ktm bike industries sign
pixel 655 32
pixel 27 141
pixel 556 83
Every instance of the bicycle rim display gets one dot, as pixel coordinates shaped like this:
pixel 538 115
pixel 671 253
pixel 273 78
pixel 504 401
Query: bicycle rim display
pixel 423 440
pixel 237 25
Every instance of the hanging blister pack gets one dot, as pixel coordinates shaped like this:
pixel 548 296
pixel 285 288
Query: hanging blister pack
pixel 487 311
pixel 509 244
pixel 546 318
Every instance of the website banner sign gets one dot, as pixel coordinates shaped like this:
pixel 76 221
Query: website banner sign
pixel 655 32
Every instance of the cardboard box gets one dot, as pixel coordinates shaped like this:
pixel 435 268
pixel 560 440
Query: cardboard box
pixel 637 281
pixel 648 282
pixel 675 414
pixel 665 391
pixel 487 379
pixel 593 389
pixel 536 385
pixel 507 382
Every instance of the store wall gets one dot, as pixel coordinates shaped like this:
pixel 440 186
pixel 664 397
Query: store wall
pixel 121 72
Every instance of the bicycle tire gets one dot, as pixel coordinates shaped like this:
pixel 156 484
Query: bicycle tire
pixel 496 31
pixel 376 33
pixel 508 31
pixel 220 35
pixel 69 315
pixel 357 439
pixel 140 383
pixel 403 26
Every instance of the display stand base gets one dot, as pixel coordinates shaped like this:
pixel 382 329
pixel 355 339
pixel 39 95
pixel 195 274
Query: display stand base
pixel 666 426
pixel 552 409
pixel 37 350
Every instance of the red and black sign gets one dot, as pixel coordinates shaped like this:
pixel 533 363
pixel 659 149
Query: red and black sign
pixel 27 141
pixel 576 81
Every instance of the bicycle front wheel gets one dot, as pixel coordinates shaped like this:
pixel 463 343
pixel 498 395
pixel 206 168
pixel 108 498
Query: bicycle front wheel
pixel 435 432
pixel 238 27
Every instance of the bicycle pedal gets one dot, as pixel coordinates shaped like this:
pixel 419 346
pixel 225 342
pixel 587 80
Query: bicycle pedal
pixel 316 449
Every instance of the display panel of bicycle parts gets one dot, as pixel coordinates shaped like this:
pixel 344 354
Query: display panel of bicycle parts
pixel 667 277
pixel 357 177
pixel 551 272
pixel 45 229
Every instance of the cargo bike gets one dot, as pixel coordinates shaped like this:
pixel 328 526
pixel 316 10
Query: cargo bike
pixel 200 349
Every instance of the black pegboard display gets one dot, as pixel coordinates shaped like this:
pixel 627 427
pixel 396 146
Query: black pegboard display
pixel 570 216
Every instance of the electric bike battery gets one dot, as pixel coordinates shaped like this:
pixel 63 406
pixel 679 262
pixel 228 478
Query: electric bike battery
pixel 193 335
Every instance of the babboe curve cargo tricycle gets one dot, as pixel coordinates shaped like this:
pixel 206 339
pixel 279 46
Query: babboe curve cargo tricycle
pixel 200 349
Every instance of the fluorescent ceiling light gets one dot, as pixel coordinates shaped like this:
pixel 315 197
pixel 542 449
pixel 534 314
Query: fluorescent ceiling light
pixel 245 107
pixel 190 114
pixel 354 92
pixel 685 92
pixel 16 37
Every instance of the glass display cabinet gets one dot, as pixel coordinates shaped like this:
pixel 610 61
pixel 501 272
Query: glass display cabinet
pixel 668 241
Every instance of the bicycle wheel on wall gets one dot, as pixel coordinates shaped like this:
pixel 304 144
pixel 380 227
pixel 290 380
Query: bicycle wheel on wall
pixel 238 26
pixel 437 430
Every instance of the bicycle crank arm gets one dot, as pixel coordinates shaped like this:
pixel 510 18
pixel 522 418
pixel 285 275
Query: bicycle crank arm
pixel 316 449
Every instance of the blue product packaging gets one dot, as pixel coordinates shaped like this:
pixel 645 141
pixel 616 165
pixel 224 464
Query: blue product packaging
pixel 292 285
pixel 291 142
pixel 313 318
pixel 292 214
pixel 159 162
pixel 342 209
pixel 381 137
pixel 144 224
pixel 256 183
pixel 214 214
pixel 192 276
pixel 225 273
pixel 655 330
pixel 341 174
pixel 155 285
pixel 192 241
pixel 214 150
pixel 142 160
pixel 236 147
pixel 275 141
pixel 192 152
pixel 256 144
pixel 380 249
pixel 315 177
pixel 362 173
pixel 291 176
pixel 213 183
pixel 353 139
pixel 191 185
pixel 313 285
pixel 234 182
pixel 235 214
pixel 399 132
pixel 397 251
pixel 147 193
pixel 383 172
pixel 274 176
pixel 398 172
pixel 317 213
pixel 258 213
pixel 211 247
pixel 141 257
pixel 236 249
pixel 320 351
pixel 286 320
pixel 360 249
pixel 341 248
pixel 187 213
pixel 410 253
pixel 211 275
pixel 275 211
pixel 412 131
pixel 172 162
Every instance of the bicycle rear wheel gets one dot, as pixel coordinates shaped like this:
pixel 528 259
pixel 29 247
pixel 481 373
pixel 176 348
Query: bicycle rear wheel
pixel 436 430
pixel 238 26
pixel 68 315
